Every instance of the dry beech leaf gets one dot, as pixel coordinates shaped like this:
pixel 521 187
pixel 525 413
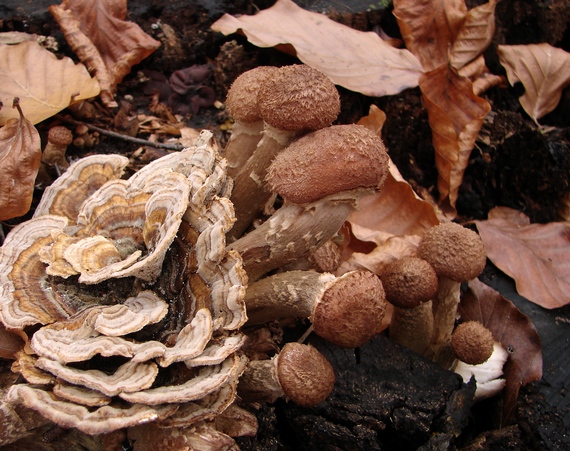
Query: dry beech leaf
pixel 542 69
pixel 20 157
pixel 475 34
pixel 44 84
pixel 437 31
pixel 429 28
pixel 455 116
pixel 119 44
pixel 536 256
pixel 359 61
pixel 514 331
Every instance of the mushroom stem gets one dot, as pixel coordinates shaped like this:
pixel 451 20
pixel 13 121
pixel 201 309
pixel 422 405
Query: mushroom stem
pixel 58 139
pixel 251 193
pixel 294 231
pixel 413 327
pixel 346 310
pixel 247 130
pixel 242 143
pixel 299 373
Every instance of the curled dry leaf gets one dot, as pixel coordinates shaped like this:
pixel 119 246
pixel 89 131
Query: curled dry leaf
pixel 100 25
pixel 536 256
pixel 455 116
pixel 369 65
pixel 44 84
pixel 514 331
pixel 20 157
pixel 542 69
pixel 437 32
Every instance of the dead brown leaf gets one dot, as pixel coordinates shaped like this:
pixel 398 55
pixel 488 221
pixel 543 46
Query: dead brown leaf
pixel 536 256
pixel 455 116
pixel 542 69
pixel 20 156
pixel 514 331
pixel 119 43
pixel 430 27
pixel 359 61
pixel 10 343
pixel 442 31
pixel 44 84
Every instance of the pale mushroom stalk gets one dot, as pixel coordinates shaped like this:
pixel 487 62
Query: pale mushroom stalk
pixel 410 284
pixel 294 231
pixel 59 138
pixel 457 255
pixel 248 126
pixel 346 310
pixel 413 327
pixel 295 99
pixel 321 177
pixel 299 373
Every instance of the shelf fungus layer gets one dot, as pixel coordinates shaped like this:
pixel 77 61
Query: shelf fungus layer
pixel 129 301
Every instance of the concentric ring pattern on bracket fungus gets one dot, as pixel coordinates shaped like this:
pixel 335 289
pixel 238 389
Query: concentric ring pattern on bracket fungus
pixel 127 297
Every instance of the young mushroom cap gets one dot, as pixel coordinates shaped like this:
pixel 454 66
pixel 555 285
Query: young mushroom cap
pixel 324 162
pixel 472 342
pixel 350 312
pixel 299 372
pixel 305 375
pixel 409 281
pixel 241 100
pixel 454 251
pixel 298 98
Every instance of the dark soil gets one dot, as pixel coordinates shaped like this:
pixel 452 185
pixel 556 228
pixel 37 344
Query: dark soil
pixel 515 163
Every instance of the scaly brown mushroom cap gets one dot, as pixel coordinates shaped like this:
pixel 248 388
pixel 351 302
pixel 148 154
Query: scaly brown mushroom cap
pixel 327 161
pixel 305 375
pixel 409 281
pixel 241 100
pixel 472 342
pixel 454 251
pixel 351 312
pixel 298 97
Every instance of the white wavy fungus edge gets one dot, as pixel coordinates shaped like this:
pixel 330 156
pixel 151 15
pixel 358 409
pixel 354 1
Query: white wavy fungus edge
pixel 126 398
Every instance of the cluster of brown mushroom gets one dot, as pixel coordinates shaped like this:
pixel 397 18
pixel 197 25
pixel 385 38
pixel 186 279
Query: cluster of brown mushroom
pixel 135 297
pixel 425 292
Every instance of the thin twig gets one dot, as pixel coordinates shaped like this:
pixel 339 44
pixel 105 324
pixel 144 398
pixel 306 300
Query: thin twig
pixel 142 142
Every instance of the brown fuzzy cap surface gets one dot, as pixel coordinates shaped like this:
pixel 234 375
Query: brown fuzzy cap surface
pixel 351 311
pixel 297 98
pixel 241 100
pixel 453 251
pixel 472 342
pixel 328 161
pixel 409 281
pixel 305 375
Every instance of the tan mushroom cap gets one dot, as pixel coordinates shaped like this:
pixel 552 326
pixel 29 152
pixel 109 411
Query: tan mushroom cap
pixel 453 251
pixel 298 97
pixel 241 100
pixel 472 342
pixel 305 375
pixel 409 281
pixel 60 136
pixel 328 161
pixel 351 310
